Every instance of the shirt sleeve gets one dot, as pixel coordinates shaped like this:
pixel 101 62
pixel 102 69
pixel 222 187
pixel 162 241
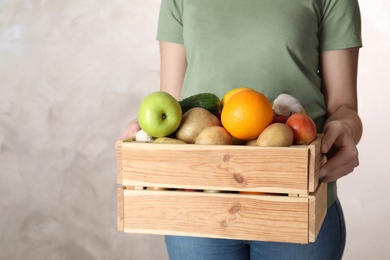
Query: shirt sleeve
pixel 170 23
pixel 340 27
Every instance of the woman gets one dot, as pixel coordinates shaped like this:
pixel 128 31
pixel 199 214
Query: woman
pixel 308 49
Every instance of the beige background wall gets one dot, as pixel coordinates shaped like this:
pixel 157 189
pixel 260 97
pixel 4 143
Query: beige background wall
pixel 72 74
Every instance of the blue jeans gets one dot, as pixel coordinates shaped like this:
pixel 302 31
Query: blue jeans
pixel 329 245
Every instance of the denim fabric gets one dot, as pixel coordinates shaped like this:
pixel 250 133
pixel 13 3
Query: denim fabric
pixel 329 245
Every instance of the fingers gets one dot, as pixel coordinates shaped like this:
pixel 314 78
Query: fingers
pixel 130 130
pixel 336 173
pixel 340 150
pixel 343 163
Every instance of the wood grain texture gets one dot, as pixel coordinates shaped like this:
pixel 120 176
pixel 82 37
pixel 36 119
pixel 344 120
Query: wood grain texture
pixel 285 210
pixel 266 218
pixel 315 162
pixel 120 209
pixel 318 204
pixel 234 167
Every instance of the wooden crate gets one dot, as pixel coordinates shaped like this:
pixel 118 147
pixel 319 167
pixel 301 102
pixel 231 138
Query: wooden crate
pixel 280 196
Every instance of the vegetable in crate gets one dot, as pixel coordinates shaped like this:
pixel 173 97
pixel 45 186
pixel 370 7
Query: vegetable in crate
pixel 193 122
pixel 214 135
pixel 142 136
pixel 168 140
pixel 276 135
pixel 207 101
pixel 285 105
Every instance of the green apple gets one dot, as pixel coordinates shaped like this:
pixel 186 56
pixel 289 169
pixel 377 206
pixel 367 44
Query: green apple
pixel 159 114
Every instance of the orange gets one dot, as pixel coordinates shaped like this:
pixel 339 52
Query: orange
pixel 230 93
pixel 247 114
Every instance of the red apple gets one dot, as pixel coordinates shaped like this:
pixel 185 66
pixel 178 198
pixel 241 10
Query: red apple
pixel 304 129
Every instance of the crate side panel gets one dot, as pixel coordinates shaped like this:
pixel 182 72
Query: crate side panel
pixel 316 159
pixel 120 209
pixel 119 170
pixel 268 218
pixel 317 210
pixel 216 167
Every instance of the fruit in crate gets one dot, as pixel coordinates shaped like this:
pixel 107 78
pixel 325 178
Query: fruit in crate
pixel 207 101
pixel 193 122
pixel 276 135
pixel 230 93
pixel 159 114
pixel 303 127
pixel 215 135
pixel 246 114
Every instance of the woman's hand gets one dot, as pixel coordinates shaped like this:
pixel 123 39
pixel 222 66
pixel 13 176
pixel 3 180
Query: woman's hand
pixel 340 149
pixel 130 130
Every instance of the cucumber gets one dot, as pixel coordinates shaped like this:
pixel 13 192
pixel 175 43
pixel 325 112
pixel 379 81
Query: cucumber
pixel 207 101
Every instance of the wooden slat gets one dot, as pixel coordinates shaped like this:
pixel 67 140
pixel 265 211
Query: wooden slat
pixel 120 209
pixel 315 162
pixel 266 218
pixel 263 169
pixel 317 210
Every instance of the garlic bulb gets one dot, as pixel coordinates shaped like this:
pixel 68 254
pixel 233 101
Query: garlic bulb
pixel 286 105
pixel 142 136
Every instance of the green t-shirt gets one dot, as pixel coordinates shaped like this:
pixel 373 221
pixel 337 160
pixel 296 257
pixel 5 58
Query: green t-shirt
pixel 272 46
